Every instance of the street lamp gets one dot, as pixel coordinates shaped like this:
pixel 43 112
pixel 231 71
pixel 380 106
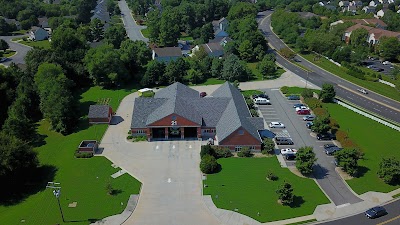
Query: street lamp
pixel 57 192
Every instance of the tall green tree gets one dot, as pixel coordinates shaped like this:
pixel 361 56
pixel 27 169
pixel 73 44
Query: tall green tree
pixel 4 45
pixel 305 158
pixel 56 100
pixel 134 54
pixel 389 170
pixel 97 29
pixel 359 37
pixel 153 25
pixel 241 10
pixel 169 27
pixel 154 73
pixel 246 51
pixel 234 69
pixel 285 193
pixel 348 160
pixel 105 66
pixel 327 93
pixel 389 48
pixel 175 71
pixel 115 35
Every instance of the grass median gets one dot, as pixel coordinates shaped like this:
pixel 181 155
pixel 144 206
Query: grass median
pixel 242 185
pixel 40 44
pixel 83 181
pixel 376 141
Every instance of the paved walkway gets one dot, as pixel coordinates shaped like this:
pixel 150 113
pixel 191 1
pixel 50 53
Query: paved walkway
pixel 120 218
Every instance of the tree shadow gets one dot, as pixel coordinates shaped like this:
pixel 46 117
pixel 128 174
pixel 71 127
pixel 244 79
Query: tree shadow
pixel 21 185
pixel 116 120
pixel 297 202
pixel 218 169
pixel 319 172
pixel 361 170
pixel 116 192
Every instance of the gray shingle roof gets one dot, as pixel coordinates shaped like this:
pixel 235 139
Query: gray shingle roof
pixel 177 89
pixel 98 111
pixel 168 51
pixel 143 107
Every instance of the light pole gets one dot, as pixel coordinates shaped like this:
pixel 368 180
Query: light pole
pixel 57 192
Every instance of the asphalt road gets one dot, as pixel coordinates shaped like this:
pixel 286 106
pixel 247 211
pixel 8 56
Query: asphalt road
pixel 21 50
pixel 282 110
pixel 132 29
pixel 373 102
pixel 392 218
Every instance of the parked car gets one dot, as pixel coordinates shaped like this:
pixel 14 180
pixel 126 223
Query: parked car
pixel 309 125
pixel 375 212
pixel 309 118
pixel 362 91
pixel 260 96
pixel 303 107
pixel 298 105
pixel 303 112
pixel 276 125
pixel 332 150
pixel 296 60
pixel 326 136
pixel 329 146
pixel 283 141
pixel 293 97
pixel 290 156
pixel 3 59
pixel 386 63
pixel 262 101
pixel 203 94
pixel 285 151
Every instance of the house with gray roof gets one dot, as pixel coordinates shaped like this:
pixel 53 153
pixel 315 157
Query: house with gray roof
pixel 166 54
pixel 178 112
pixel 100 114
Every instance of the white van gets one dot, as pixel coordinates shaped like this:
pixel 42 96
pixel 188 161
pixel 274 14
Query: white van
pixel 262 101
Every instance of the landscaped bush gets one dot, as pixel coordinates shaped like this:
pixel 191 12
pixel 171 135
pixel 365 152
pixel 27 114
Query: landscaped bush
pixel 307 93
pixel 129 131
pixel 245 152
pixel 140 138
pixel 208 164
pixel 272 176
pixel 321 112
pixel 305 159
pixel 83 154
pixel 249 102
pixel 130 137
pixel 313 103
pixel 348 160
pixel 268 146
pixel 222 152
pixel 285 193
pixel 373 79
pixel 389 170
pixel 207 150
pixel 284 89
pixel 254 113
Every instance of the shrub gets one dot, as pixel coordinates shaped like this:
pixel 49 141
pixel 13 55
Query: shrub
pixel 285 193
pixel 389 170
pixel 222 152
pixel 327 93
pixel 245 152
pixel 373 79
pixel 348 160
pixel 207 150
pixel 307 93
pixel 305 159
pixel 333 123
pixel 249 102
pixel 83 154
pixel 341 136
pixel 130 137
pixel 321 112
pixel 140 138
pixel 272 176
pixel 321 124
pixel 379 76
pixel 284 89
pixel 129 131
pixel 254 113
pixel 313 103
pixel 268 146
pixel 208 164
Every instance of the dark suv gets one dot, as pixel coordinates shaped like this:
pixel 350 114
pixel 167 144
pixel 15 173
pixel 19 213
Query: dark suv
pixel 326 136
pixel 283 141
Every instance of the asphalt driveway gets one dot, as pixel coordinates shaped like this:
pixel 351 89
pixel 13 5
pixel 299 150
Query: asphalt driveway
pixel 132 29
pixel 22 50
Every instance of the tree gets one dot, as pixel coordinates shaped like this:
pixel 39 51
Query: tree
pixel 321 125
pixel 97 29
pixel 56 100
pixel 285 193
pixel 244 152
pixel 241 10
pixel 307 93
pixel 154 73
pixel 15 155
pixel 175 71
pixel 206 33
pixel 389 48
pixel 208 164
pixel 305 158
pixel 216 67
pixel 389 170
pixel 348 160
pixel 268 146
pixel 4 45
pixel 134 54
pixel 327 93
pixel 207 150
pixel 246 51
pixel 267 65
pixel 115 35
pixel 153 25
pixel 169 27
pixel 359 37
pixel 105 66
pixel 233 69
pixel 287 53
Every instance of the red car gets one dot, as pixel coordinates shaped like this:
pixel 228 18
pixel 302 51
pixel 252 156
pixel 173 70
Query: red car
pixel 303 112
pixel 203 94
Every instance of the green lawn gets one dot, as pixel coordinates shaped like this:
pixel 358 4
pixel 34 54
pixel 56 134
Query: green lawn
pixel 375 140
pixel 377 87
pixel 258 76
pixel 41 44
pixel 185 37
pixel 298 90
pixel 396 196
pixel 82 180
pixel 19 32
pixel 212 81
pixel 242 184
pixel 251 92
pixel 145 32
pixel 9 53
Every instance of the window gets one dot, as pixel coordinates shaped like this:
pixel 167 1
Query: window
pixel 140 132
pixel 173 117
pixel 252 147
pixel 241 132
pixel 212 130
pixel 238 148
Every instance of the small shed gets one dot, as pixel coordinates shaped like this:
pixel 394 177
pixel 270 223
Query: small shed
pixel 100 114
pixel 146 92
pixel 88 146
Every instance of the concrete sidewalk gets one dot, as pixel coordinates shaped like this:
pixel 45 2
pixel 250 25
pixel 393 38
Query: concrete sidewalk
pixel 120 218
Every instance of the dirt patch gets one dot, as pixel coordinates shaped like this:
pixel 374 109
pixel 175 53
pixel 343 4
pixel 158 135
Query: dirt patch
pixel 343 174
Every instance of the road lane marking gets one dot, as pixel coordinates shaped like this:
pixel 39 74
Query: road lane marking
pixel 157 147
pixel 173 146
pixel 377 109
pixel 169 180
pixel 388 221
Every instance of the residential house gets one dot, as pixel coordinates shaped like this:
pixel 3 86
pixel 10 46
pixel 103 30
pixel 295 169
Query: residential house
pixel 212 49
pixel 43 22
pixel 166 54
pixel 369 9
pixel 358 4
pixel 380 13
pixel 13 22
pixel 221 40
pixel 373 3
pixel 178 112
pixel 220 27
pixel 350 8
pixel 374 22
pixel 38 34
pixel 100 114
pixel 343 4
pixel 374 34
pixel 385 2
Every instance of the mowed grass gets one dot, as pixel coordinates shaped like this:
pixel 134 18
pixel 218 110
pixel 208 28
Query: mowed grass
pixel 377 87
pixel 145 32
pixel 9 53
pixel 40 44
pixel 258 76
pixel 242 185
pixel 82 180
pixel 376 141
pixel 299 90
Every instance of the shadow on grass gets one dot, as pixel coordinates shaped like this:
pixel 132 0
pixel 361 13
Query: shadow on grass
pixel 116 192
pixel 20 186
pixel 297 202
pixel 361 171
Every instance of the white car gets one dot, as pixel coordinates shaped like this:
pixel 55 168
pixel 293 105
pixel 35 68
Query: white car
pixel 285 151
pixel 362 91
pixel 302 108
pixel 276 125
pixel 386 63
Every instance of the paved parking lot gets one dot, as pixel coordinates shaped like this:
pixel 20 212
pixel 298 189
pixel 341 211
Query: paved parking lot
pixel 282 110
pixel 378 64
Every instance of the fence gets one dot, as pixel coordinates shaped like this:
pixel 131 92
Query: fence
pixel 381 121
